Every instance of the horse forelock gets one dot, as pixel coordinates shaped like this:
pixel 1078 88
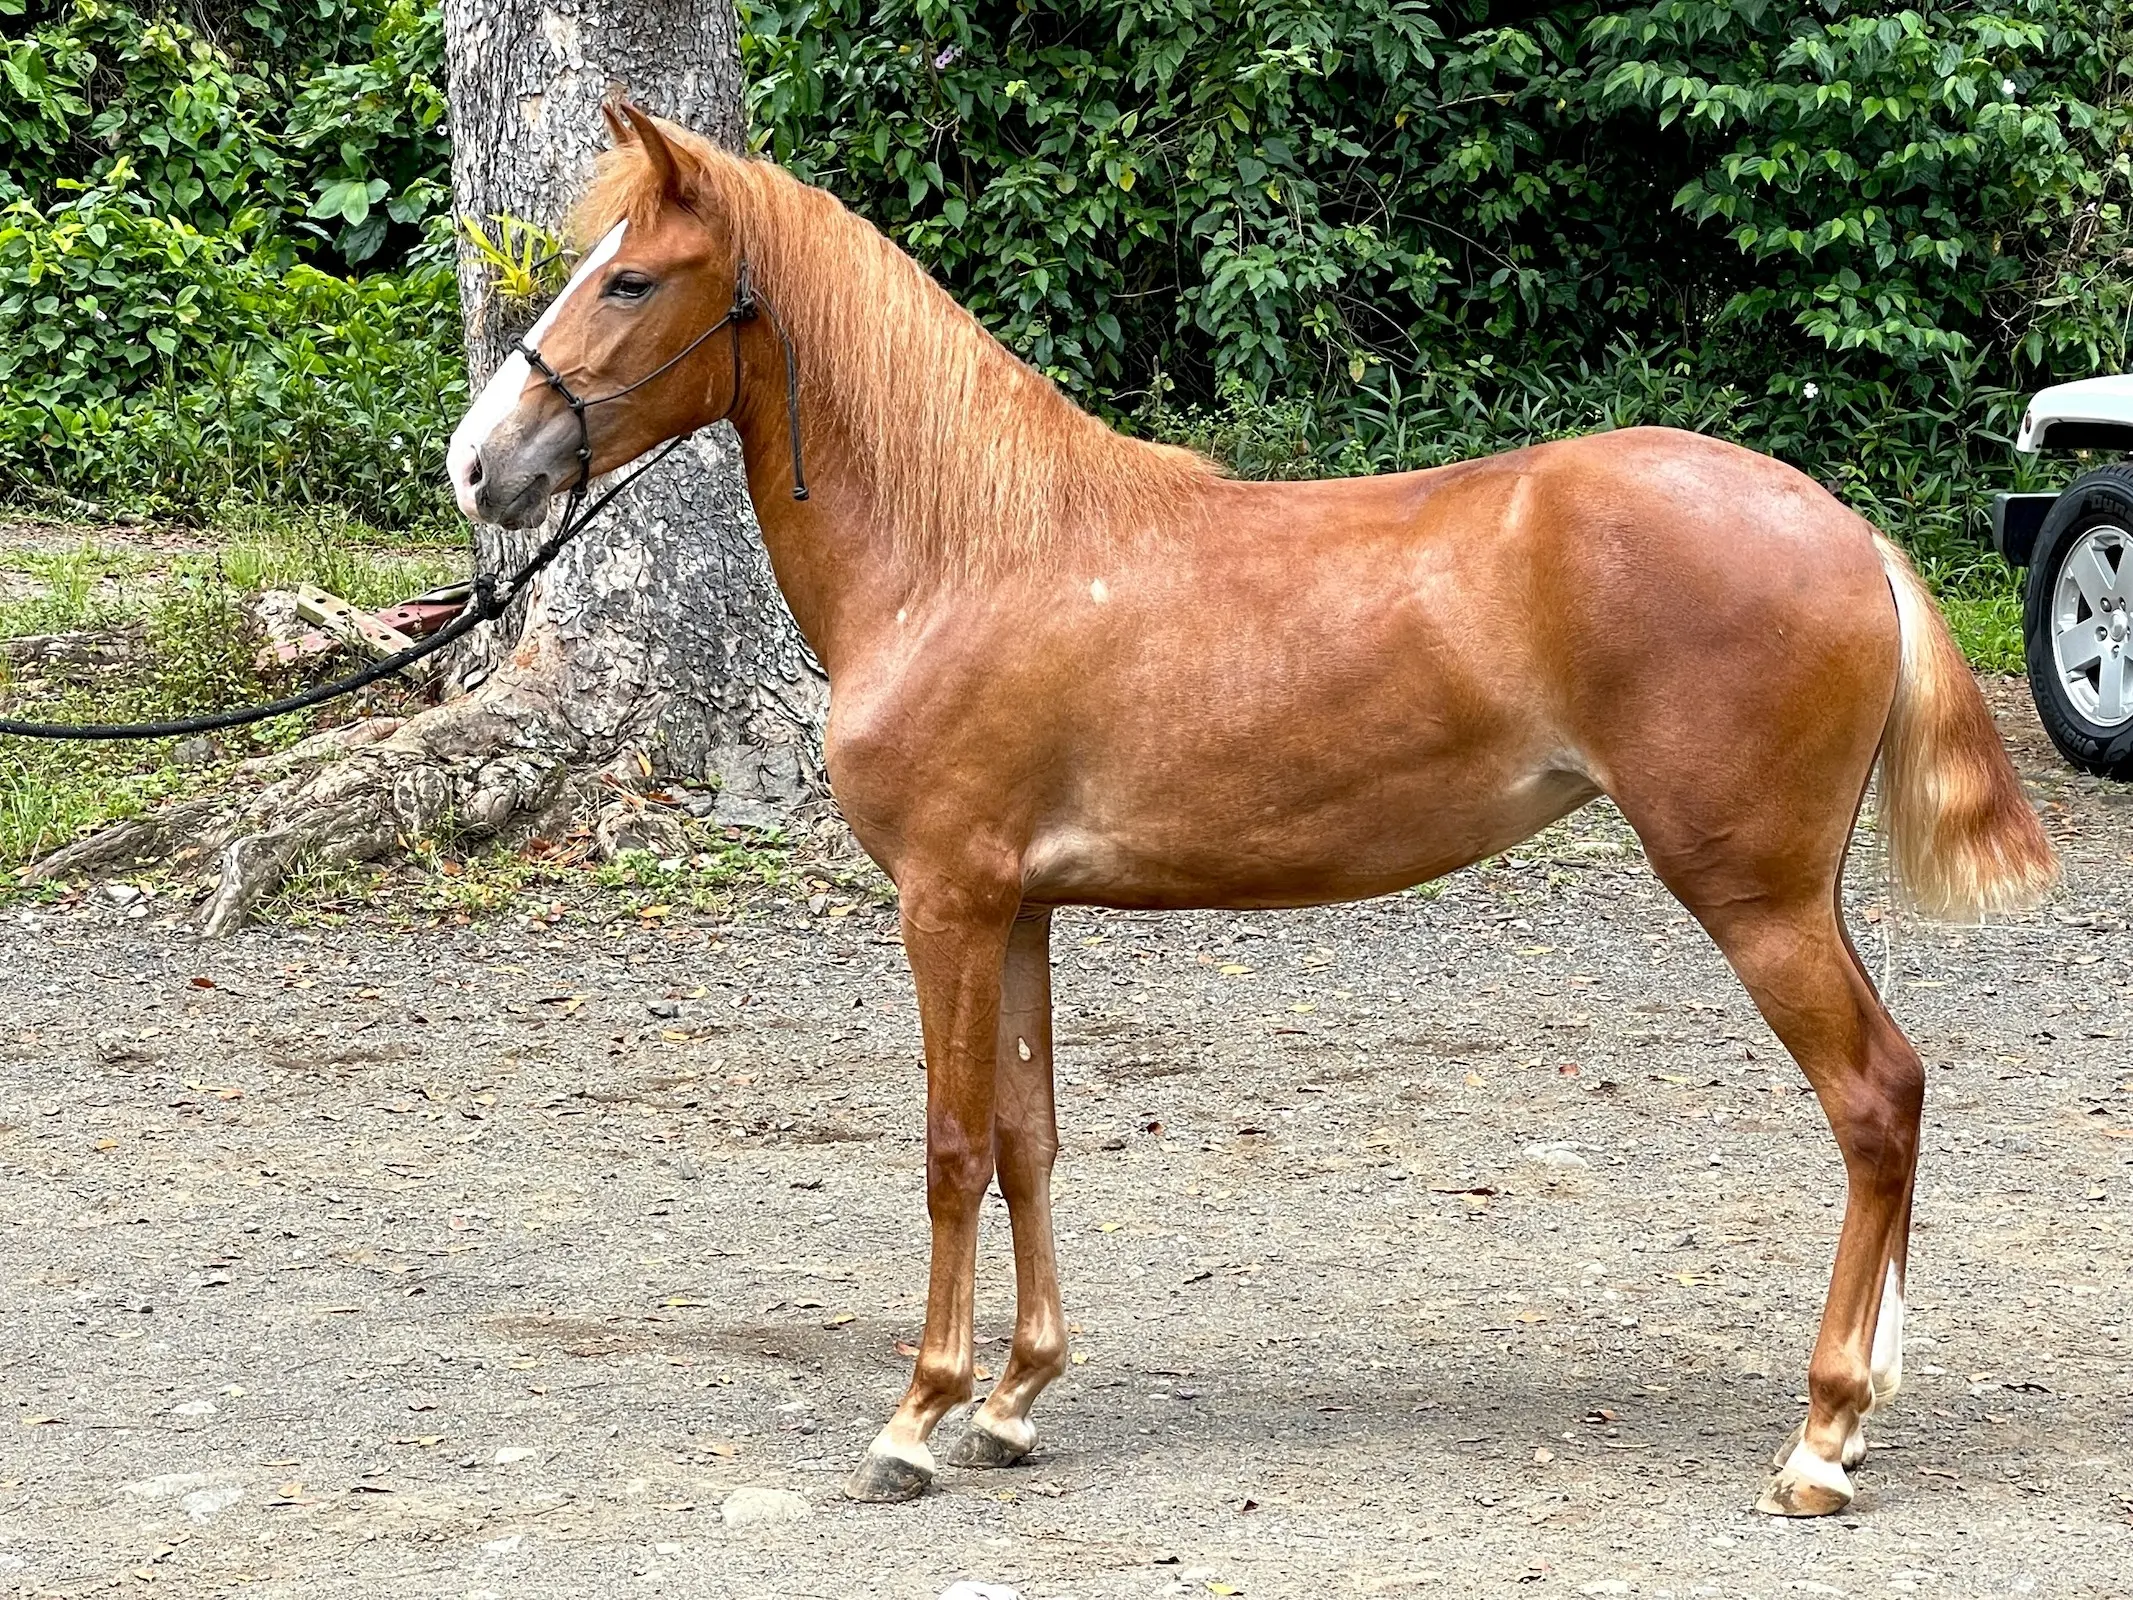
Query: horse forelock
pixel 976 461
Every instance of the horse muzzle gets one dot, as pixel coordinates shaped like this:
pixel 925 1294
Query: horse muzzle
pixel 504 499
pixel 508 477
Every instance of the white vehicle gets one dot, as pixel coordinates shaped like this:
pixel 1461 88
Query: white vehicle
pixel 2077 613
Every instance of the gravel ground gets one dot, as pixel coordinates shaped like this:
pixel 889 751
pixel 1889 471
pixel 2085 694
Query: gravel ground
pixel 1466 1242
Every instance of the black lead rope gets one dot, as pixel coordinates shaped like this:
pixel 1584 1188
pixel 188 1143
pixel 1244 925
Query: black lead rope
pixel 490 599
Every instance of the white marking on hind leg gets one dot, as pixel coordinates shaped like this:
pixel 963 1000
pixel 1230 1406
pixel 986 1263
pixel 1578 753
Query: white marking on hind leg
pixel 1885 1365
pixel 1805 1465
pixel 1017 1433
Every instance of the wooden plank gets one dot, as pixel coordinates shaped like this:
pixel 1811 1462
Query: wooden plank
pixel 341 619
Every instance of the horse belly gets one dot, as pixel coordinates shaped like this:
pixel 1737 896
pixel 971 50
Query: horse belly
pixel 1168 853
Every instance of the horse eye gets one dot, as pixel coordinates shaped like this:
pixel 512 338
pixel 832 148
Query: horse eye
pixel 629 286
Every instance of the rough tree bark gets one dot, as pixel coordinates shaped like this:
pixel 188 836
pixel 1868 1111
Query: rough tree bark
pixel 660 634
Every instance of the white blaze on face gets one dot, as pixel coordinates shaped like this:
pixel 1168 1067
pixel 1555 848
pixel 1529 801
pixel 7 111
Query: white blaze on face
pixel 500 398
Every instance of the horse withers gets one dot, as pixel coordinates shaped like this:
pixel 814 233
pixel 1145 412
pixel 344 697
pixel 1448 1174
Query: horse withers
pixel 1068 667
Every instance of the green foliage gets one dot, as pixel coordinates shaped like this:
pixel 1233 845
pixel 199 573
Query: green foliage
pixel 371 133
pixel 99 86
pixel 1139 195
pixel 182 193
pixel 1910 182
pixel 321 122
pixel 146 365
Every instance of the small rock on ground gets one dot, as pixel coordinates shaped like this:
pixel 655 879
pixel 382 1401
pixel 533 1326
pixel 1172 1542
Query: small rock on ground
pixel 752 1506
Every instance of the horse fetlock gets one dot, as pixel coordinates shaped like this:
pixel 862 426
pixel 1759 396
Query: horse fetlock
pixel 1851 1455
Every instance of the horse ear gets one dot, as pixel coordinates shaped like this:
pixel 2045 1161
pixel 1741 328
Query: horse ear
pixel 657 151
pixel 617 129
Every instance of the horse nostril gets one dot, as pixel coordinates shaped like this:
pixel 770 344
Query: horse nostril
pixel 474 470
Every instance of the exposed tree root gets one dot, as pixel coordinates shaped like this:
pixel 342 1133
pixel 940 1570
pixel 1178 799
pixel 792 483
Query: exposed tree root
pixel 501 764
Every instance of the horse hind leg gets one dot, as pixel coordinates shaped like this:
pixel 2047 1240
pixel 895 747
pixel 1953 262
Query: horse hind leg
pixel 1809 985
pixel 1766 889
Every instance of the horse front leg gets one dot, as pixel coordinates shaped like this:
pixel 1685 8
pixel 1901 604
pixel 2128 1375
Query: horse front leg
pixel 1027 1138
pixel 956 940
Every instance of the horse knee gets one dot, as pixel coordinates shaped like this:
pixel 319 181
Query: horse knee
pixel 956 1176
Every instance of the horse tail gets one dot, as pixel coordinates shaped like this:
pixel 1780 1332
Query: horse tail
pixel 1962 837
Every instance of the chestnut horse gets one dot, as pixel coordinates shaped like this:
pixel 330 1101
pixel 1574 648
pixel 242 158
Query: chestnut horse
pixel 1069 667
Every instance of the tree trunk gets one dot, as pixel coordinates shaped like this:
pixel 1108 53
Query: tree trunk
pixel 662 628
pixel 658 644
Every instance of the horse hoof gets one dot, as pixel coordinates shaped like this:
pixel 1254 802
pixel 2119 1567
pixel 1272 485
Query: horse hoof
pixel 1805 1486
pixel 884 1479
pixel 983 1448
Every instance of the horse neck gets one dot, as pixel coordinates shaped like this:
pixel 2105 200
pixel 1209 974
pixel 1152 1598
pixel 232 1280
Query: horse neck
pixel 1007 480
pixel 841 573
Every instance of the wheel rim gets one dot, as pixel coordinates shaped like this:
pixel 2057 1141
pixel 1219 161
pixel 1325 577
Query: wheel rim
pixel 2092 625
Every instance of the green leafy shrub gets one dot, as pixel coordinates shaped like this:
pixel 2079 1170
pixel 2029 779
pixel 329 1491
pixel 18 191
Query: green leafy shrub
pixel 146 365
pixel 371 134
pixel 317 121
pixel 96 86
pixel 1139 195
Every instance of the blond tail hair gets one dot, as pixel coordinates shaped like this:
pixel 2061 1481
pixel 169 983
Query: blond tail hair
pixel 1962 838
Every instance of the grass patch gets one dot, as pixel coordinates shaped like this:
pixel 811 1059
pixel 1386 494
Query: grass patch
pixel 1989 628
pixel 186 642
pixel 555 884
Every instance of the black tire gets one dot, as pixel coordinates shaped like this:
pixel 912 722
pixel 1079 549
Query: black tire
pixel 2102 499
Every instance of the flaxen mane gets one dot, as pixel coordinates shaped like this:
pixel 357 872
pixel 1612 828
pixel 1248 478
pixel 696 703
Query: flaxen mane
pixel 977 461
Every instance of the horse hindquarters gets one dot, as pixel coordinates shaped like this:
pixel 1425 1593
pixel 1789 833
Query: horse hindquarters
pixel 1741 755
pixel 1757 856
